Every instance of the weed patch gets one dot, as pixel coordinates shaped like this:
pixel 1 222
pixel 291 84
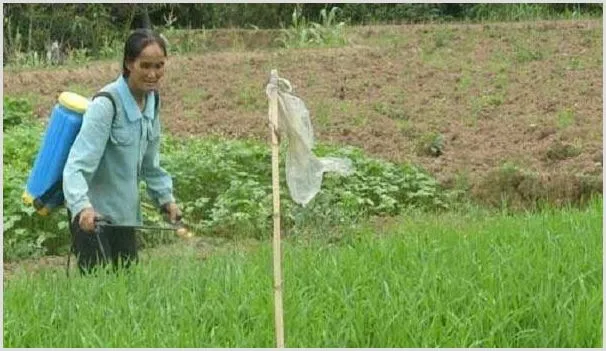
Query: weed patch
pixel 565 118
pixel 431 144
pixel 525 53
pixel 514 188
pixel 390 111
pixel 560 151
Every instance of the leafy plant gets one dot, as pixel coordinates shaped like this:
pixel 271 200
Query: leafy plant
pixel 79 56
pixel 302 34
pixel 16 111
pixel 228 190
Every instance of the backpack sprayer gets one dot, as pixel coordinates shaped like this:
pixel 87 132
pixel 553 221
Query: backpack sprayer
pixel 44 188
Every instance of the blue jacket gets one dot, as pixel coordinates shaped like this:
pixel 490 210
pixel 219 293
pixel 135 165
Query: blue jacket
pixel 109 158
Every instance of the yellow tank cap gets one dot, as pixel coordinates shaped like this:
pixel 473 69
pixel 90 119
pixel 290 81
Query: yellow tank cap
pixel 73 101
pixel 27 198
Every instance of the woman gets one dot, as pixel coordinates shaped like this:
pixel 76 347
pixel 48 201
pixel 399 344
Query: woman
pixel 117 146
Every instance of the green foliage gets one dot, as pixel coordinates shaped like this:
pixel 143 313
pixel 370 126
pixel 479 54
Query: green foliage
pixel 82 31
pixel 16 111
pixel 397 13
pixel 302 34
pixel 227 191
pixel 529 12
pixel 379 187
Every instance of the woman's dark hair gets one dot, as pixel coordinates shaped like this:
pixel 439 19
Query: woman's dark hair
pixel 137 42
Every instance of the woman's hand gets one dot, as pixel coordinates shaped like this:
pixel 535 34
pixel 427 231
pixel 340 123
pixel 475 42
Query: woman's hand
pixel 87 219
pixel 174 216
pixel 173 212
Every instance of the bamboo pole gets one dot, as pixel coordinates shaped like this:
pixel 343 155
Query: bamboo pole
pixel 275 175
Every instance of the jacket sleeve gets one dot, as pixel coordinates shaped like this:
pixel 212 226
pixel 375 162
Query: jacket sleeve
pixel 159 182
pixel 85 153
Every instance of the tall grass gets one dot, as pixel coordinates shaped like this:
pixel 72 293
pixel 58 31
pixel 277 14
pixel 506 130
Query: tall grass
pixel 458 280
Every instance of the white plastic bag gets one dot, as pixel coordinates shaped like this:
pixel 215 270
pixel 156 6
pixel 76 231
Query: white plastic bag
pixel 304 171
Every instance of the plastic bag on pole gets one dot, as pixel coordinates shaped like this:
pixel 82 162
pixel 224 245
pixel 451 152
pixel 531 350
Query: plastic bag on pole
pixel 304 171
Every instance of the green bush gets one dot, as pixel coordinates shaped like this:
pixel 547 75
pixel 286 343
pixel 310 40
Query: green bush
pixel 228 190
pixel 16 111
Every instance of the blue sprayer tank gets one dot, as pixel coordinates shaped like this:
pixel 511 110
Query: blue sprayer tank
pixel 44 188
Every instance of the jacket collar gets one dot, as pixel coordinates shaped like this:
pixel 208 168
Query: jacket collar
pixel 133 112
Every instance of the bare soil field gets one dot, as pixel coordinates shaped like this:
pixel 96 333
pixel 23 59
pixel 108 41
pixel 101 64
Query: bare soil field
pixel 511 108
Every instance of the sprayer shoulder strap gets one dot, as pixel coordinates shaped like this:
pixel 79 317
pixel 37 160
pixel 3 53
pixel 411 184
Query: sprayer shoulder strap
pixel 111 98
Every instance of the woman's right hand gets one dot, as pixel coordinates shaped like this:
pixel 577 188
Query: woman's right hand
pixel 87 219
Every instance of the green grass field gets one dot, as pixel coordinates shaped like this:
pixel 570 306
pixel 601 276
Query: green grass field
pixel 468 279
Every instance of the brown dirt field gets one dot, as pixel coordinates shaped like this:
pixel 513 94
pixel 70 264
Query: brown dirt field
pixel 498 93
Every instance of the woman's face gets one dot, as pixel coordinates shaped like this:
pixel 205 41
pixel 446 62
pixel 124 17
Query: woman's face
pixel 147 69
